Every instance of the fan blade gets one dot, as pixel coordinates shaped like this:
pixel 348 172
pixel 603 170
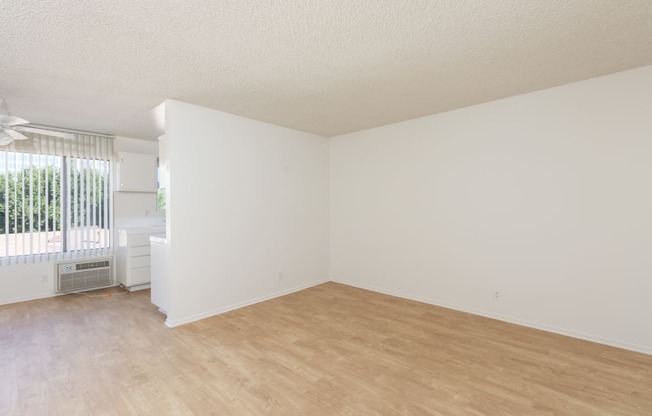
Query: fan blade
pixel 15 135
pixel 5 138
pixel 12 121
pixel 44 132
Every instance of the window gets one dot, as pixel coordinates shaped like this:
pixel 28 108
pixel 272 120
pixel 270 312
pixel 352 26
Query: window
pixel 55 198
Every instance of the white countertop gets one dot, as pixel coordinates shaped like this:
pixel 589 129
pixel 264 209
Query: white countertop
pixel 158 238
pixel 143 230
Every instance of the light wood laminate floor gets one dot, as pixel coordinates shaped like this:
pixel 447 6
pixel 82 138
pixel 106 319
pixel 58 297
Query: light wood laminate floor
pixel 328 350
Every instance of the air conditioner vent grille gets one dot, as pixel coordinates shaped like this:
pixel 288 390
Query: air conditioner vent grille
pixel 83 275
pixel 91 265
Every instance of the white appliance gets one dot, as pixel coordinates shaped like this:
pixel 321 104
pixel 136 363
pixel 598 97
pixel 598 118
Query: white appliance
pixel 160 275
pixel 83 274
pixel 133 260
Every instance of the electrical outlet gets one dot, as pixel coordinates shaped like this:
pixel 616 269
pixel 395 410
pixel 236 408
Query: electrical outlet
pixel 497 295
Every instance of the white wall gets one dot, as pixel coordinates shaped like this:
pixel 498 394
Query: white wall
pixel 36 280
pixel 246 200
pixel 545 197
pixel 26 282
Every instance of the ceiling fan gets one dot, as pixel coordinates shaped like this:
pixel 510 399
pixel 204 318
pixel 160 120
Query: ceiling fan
pixel 12 127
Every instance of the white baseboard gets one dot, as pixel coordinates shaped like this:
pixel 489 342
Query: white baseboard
pixel 47 295
pixel 28 298
pixel 505 318
pixel 177 322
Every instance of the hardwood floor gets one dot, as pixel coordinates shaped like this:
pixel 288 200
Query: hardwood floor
pixel 328 350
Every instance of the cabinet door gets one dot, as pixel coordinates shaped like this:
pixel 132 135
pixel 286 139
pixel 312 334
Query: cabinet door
pixel 139 276
pixel 136 172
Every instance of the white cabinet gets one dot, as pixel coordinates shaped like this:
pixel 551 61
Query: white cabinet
pixel 133 258
pixel 160 278
pixel 136 172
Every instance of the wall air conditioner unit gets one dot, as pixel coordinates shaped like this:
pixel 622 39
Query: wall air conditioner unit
pixel 82 275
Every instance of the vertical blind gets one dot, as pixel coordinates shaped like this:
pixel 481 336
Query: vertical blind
pixel 55 198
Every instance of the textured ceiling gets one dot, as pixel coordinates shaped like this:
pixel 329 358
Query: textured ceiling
pixel 323 66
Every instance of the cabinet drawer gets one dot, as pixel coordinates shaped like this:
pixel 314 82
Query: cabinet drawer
pixel 139 276
pixel 139 251
pixel 136 262
pixel 138 240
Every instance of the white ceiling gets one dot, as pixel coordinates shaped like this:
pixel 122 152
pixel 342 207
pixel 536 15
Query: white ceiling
pixel 323 66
